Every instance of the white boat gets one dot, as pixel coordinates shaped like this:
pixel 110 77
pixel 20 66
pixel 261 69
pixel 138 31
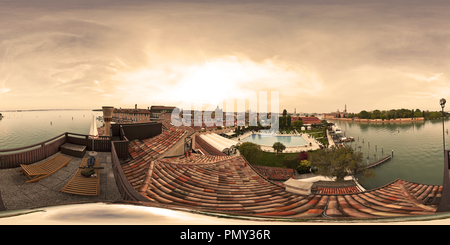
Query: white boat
pixel 345 139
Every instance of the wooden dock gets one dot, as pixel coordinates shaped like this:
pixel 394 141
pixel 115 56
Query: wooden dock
pixel 379 162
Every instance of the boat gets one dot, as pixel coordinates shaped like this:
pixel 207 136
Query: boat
pixel 346 139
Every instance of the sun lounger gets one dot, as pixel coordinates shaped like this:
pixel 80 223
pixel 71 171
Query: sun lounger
pixel 80 185
pixel 36 172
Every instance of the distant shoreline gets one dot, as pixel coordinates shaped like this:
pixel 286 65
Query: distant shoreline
pixel 49 110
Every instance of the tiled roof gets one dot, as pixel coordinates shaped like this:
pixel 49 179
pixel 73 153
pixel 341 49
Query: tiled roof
pixel 166 120
pixel 274 173
pixel 163 107
pixel 310 120
pixel 337 190
pixel 230 186
pixel 131 111
pixel 196 159
pixel 143 152
pixel 156 145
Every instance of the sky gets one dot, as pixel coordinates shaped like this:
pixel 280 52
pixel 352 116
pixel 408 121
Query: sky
pixel 317 55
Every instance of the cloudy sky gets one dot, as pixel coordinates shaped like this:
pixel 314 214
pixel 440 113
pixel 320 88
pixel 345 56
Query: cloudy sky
pixel 318 55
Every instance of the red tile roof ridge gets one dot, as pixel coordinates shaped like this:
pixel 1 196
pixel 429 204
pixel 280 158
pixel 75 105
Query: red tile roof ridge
pixel 412 199
pixel 225 159
pixel 147 179
pixel 196 159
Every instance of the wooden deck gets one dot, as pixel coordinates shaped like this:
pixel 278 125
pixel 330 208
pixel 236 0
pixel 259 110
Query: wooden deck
pixel 80 185
pixel 379 161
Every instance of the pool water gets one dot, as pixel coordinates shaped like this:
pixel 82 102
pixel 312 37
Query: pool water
pixel 268 140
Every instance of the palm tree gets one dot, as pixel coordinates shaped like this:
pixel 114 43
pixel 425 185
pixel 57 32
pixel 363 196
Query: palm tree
pixel 279 147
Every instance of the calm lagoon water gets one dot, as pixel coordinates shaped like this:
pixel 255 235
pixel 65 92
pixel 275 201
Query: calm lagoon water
pixel 19 129
pixel 418 150
pixel 269 140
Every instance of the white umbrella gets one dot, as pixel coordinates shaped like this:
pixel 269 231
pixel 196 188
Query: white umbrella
pixel 93 133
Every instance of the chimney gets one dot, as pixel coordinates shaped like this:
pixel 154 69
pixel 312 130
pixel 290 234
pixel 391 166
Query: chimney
pixel 107 116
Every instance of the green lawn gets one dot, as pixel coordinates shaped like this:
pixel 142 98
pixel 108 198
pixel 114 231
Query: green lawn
pixel 271 160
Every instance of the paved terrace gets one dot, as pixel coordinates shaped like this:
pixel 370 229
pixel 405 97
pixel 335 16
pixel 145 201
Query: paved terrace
pixel 16 194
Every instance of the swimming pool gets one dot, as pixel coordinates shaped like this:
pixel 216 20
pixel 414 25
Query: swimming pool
pixel 270 139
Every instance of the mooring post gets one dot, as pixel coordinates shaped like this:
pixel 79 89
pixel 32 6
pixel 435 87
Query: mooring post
pixel 392 153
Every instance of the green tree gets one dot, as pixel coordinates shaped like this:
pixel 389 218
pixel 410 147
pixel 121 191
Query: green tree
pixel 376 114
pixel 339 162
pixel 278 147
pixel 435 115
pixel 364 115
pixel 282 121
pixel 418 113
pixel 288 121
pixel 252 152
pixel 297 124
pixel 284 113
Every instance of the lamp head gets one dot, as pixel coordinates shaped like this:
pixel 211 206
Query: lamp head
pixel 442 102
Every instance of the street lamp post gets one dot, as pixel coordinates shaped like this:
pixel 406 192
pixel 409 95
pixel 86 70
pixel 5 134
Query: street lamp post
pixel 442 103
pixel 444 204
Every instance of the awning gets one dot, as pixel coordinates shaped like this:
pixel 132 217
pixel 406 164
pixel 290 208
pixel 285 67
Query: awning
pixel 220 143
pixel 230 133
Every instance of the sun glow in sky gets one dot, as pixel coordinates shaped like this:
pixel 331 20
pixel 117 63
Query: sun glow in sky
pixel 319 55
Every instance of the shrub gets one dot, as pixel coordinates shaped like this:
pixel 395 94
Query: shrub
pixel 250 151
pixel 303 156
pixel 303 167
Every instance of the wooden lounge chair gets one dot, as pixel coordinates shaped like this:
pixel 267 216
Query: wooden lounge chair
pixel 36 172
pixel 80 185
